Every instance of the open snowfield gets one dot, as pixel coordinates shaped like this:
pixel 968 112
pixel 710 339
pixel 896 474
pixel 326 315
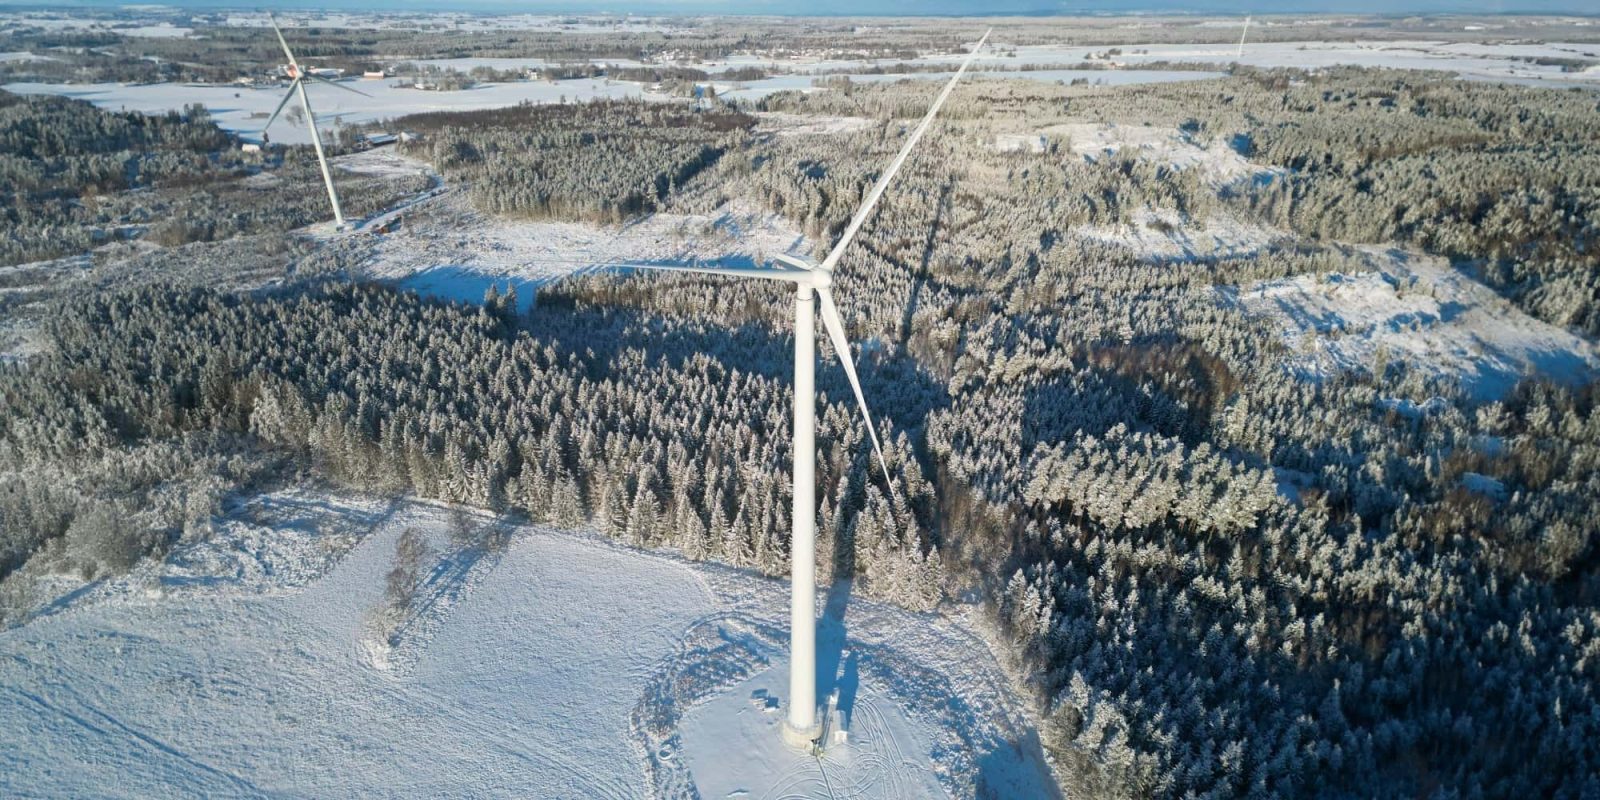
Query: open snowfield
pixel 1489 61
pixel 1493 60
pixel 243 110
pixel 1418 309
pixel 562 667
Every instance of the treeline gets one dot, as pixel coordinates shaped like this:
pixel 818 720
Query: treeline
pixel 494 419
pixel 598 162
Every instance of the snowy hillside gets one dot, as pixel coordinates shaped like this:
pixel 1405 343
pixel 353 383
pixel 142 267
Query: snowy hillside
pixel 239 667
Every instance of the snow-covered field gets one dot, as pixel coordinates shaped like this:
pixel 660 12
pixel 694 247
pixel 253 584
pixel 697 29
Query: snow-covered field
pixel 1489 61
pixel 1418 309
pixel 1494 60
pixel 563 666
pixel 244 110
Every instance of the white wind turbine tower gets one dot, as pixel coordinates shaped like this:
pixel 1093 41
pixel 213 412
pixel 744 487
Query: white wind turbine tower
pixel 297 85
pixel 812 287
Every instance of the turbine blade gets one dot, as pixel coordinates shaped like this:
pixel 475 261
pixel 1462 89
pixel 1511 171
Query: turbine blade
pixel 841 346
pixel 281 41
pixel 338 85
pixel 894 166
pixel 279 109
pixel 737 272
pixel 305 103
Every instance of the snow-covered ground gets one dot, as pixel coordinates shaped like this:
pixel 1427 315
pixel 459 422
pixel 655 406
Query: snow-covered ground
pixel 562 666
pixel 444 247
pixel 1495 61
pixel 1418 309
pixel 803 81
pixel 1488 61
pixel 244 110
pixel 781 124
pixel 1164 235
pixel 1222 163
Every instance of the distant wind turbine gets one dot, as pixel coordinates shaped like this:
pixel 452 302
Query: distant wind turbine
pixel 813 284
pixel 1244 33
pixel 297 85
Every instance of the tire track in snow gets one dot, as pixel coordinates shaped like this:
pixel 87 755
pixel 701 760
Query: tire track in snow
pixel 114 727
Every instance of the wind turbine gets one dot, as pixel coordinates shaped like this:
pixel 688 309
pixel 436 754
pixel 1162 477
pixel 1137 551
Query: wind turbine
pixel 1242 34
pixel 813 287
pixel 297 85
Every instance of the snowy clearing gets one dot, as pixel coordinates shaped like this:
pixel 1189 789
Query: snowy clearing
pixel 23 56
pixel 239 667
pixel 1165 235
pixel 1417 309
pixel 1164 145
pixel 448 249
pixel 781 124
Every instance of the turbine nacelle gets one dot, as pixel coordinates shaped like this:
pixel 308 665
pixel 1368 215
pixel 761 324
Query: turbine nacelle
pixel 800 263
pixel 297 87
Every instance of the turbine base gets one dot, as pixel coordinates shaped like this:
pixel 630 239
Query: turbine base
pixel 801 739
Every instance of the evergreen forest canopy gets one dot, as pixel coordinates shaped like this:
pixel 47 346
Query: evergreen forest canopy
pixel 1210 579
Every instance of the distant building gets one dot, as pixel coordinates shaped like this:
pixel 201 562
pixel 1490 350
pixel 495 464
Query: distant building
pixel 378 139
pixel 410 136
pixel 250 147
pixel 374 74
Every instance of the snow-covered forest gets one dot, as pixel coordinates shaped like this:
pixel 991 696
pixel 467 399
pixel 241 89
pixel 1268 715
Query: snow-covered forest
pixel 68 171
pixel 1210 577
pixel 596 162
